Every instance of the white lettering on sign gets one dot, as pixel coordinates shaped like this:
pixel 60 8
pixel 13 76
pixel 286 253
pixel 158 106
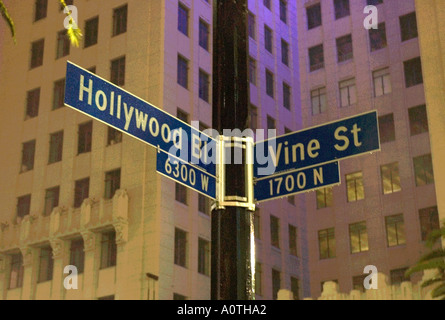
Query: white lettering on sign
pixel 286 184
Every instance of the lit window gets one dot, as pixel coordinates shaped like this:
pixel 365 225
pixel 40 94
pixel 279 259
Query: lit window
pixel 395 230
pixel 423 170
pixel 324 197
pixel 358 237
pixel 355 188
pixel 326 243
pixel 390 178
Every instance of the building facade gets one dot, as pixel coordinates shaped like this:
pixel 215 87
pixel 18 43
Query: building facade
pixel 386 203
pixel 76 192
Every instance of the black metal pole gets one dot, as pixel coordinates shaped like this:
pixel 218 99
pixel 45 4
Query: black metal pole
pixel 231 258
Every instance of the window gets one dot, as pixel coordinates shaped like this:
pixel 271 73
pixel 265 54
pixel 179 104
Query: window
pixel 267 3
pixel 291 200
pixel 106 298
pixel 395 230
pixel 293 249
pixel 114 136
pixel 204 35
pixel 313 16
pixel 118 71
pixel 318 101
pixel 355 188
pixel 423 170
pixel 341 8
pixel 283 11
pixel 326 243
pixel 108 250
pixel 270 123
pixel 183 19
pixel 46 264
pixel 373 2
pixel 382 82
pixel 37 49
pixel 295 287
pixel 358 237
pixel 253 117
pixel 85 137
pixel 183 72
pixel 269 84
pixel 68 3
pixel 284 52
pixel 204 86
pixel 258 278
pixel 413 72
pixel 398 276
pixel 120 20
pixel 91 32
pixel 276 283
pixel 377 37
pixel 386 128
pixel 286 96
pixel 357 282
pixel 429 221
pixel 17 271
pixel 59 94
pixel 203 257
pixel 180 248
pixel 41 7
pixel 81 191
pixel 344 48
pixel 28 153
pixel 23 206
pixel 324 197
pixel 55 147
pixel 418 120
pixel 257 223
pixel 252 71
pixel 177 296
pixel 348 95
pixel 51 200
pixel 203 204
pixel 390 178
pixel 268 42
pixel 63 44
pixel 181 193
pixel 251 25
pixel 32 103
pixel 316 58
pixel 112 183
pixel 408 26
pixel 182 115
pixel 275 231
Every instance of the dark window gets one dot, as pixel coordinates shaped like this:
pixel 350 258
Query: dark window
pixel 114 136
pixel 257 223
pixel 63 44
pixel 267 3
pixel 108 250
pixel 408 26
pixel 118 71
pixel 275 231
pixel 81 191
pixel 203 256
pixel 377 37
pixel 293 249
pixel 37 49
pixel 413 72
pixel 316 57
pixel 68 3
pixel 177 296
pixel 258 278
pixel 252 71
pixel 398 276
pixel 85 137
pixel 55 147
pixel 41 7
pixel 276 283
pixel 341 8
pixel 181 193
pixel 112 183
pixel 269 84
pixel 283 11
pixel 106 298
pixel 373 2
pixel 182 115
pixel 284 52
pixel 204 34
pixel 59 94
pixel 91 31
pixel 28 153
pixel 286 96
pixel 51 200
pixel 386 128
pixel 204 86
pixel 183 19
pixel 203 204
pixel 357 283
pixel 326 243
pixel 17 271
pixel 32 103
pixel 77 255
pixel 251 25
pixel 271 123
pixel 268 42
pixel 180 248
pixel 253 117
pixel 46 264
pixel 313 16
pixel 429 221
pixel 418 120
pixel 23 206
pixel 295 287
pixel 183 72
pixel 120 20
pixel 423 170
pixel 344 48
pixel 318 101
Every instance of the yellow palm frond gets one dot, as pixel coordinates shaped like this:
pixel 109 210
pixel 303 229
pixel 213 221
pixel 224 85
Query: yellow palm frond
pixel 7 18
pixel 74 33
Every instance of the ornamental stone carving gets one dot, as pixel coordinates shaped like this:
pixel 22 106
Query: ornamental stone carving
pixel 89 240
pixel 57 246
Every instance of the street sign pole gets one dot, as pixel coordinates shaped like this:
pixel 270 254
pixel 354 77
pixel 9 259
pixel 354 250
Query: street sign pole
pixel 233 251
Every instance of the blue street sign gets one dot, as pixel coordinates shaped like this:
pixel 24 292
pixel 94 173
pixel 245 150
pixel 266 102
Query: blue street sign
pixel 326 143
pixel 110 104
pixel 294 182
pixel 186 174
